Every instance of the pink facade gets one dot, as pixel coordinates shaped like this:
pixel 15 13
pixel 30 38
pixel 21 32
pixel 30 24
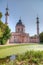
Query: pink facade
pixel 19 38
pixel 33 39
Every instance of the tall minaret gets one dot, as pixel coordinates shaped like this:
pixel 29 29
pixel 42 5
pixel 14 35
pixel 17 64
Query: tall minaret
pixel 38 28
pixel 6 15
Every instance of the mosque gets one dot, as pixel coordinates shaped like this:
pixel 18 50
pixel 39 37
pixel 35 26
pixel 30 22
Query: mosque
pixel 20 36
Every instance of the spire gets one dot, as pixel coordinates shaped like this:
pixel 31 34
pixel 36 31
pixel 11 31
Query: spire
pixel 37 27
pixel 20 17
pixel 6 15
pixel 20 21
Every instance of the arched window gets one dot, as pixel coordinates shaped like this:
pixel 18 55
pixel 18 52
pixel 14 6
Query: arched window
pixel 22 29
pixel 18 29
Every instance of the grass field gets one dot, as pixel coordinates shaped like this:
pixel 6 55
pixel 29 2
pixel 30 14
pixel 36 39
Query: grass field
pixel 19 49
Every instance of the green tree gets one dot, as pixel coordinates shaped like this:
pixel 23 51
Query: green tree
pixel 0 15
pixel 41 37
pixel 4 32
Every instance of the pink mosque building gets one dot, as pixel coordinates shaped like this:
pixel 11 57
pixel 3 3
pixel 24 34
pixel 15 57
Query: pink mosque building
pixel 20 36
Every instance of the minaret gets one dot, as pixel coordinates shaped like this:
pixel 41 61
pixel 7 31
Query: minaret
pixel 38 28
pixel 6 15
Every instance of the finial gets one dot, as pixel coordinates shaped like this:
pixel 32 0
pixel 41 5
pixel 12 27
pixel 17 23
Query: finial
pixel 37 17
pixel 7 7
pixel 20 17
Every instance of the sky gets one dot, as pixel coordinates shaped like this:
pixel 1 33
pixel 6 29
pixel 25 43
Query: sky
pixel 28 10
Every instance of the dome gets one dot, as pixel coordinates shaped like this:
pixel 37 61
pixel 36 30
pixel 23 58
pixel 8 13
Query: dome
pixel 19 23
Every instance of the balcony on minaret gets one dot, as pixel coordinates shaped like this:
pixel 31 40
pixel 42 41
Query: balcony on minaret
pixel 7 14
pixel 37 19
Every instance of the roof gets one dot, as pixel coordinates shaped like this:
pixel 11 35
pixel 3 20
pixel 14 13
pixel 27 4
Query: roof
pixel 19 23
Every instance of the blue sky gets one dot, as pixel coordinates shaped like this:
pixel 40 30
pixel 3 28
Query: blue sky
pixel 27 10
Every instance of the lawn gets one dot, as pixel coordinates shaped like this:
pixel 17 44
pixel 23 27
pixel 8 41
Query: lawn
pixel 19 49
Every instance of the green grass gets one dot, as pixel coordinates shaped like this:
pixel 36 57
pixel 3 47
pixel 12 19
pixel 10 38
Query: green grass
pixel 19 49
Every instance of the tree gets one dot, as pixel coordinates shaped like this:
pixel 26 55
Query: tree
pixel 4 32
pixel 41 37
pixel 0 15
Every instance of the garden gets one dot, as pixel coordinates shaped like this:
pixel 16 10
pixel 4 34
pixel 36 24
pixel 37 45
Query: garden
pixel 25 54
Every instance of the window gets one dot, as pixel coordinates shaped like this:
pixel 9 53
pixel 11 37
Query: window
pixel 22 29
pixel 18 29
pixel 14 36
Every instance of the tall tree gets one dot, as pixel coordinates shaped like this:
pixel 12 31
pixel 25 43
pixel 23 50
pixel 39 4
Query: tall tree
pixel 41 37
pixel 4 32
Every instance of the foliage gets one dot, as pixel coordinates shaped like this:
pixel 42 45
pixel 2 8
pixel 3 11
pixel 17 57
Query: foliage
pixel 41 37
pixel 0 15
pixel 33 58
pixel 4 32
pixel 30 54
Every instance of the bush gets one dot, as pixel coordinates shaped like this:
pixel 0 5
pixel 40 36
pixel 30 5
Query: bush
pixel 28 58
pixel 31 57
